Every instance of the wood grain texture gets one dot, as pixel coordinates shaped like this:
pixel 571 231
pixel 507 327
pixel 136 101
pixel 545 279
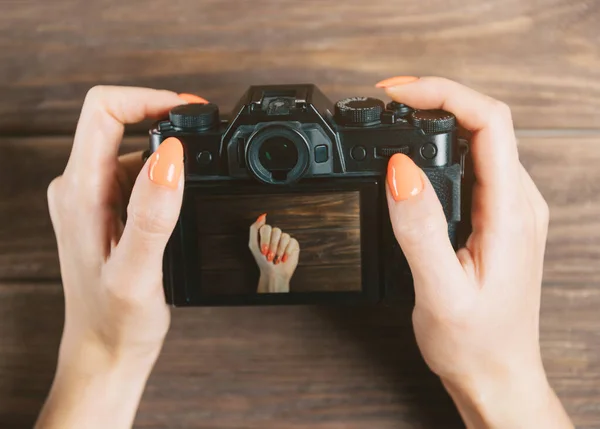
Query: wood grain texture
pixel 220 214
pixel 331 278
pixel 540 56
pixel 293 367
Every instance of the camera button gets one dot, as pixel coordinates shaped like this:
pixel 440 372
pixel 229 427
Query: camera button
pixel 321 154
pixel 428 151
pixel 359 153
pixel 164 126
pixel 204 157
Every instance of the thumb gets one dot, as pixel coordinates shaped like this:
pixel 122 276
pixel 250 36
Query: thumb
pixel 253 240
pixel 153 211
pixel 421 229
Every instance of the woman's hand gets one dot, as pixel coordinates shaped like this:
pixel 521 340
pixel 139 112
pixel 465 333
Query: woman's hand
pixel 276 253
pixel 476 315
pixel 115 312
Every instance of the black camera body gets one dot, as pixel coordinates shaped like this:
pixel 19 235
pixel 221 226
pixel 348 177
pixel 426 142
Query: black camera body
pixel 290 139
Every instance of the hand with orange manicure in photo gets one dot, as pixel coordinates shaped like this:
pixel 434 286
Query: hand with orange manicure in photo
pixel 276 253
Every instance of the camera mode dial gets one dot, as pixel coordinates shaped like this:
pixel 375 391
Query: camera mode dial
pixel 194 116
pixel 433 121
pixel 359 111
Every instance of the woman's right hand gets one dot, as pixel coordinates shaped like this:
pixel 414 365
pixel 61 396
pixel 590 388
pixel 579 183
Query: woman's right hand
pixel 476 315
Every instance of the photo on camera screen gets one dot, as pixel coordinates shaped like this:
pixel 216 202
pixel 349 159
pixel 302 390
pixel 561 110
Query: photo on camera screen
pixel 307 242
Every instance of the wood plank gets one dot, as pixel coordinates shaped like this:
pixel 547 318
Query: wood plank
pixel 331 278
pixel 540 56
pixel 564 167
pixel 227 213
pixel 293 367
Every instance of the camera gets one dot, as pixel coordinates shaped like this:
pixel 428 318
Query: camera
pixel 285 202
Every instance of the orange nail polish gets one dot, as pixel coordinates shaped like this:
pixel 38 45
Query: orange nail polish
pixel 276 260
pixel 192 98
pixel 285 256
pixel 395 81
pixel 264 249
pixel 261 218
pixel 270 256
pixel 403 177
pixel 166 164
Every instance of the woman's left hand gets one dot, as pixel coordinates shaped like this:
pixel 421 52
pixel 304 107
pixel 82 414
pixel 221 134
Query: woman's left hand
pixel 115 312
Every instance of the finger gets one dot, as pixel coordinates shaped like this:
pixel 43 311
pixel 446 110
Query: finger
pixel 105 112
pixel 493 144
pixel 275 236
pixel 152 213
pixel 283 243
pixel 193 98
pixel 265 238
pixel 253 240
pixel 292 249
pixel 421 229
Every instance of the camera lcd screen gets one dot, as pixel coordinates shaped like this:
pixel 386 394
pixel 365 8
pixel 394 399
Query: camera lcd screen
pixel 307 243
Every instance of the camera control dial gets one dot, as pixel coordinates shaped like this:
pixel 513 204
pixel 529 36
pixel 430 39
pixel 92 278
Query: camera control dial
pixel 194 116
pixel 359 111
pixel 433 121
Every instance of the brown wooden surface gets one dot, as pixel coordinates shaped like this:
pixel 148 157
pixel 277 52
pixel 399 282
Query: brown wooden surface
pixel 293 367
pixel 296 367
pixel 540 56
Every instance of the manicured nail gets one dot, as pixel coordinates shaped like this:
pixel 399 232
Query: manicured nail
pixel 192 98
pixel 270 256
pixel 276 260
pixel 166 164
pixel 261 218
pixel 285 257
pixel 264 249
pixel 403 177
pixel 395 81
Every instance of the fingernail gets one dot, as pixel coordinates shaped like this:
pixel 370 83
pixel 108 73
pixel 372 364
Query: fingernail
pixel 166 164
pixel 285 256
pixel 276 260
pixel 264 249
pixel 270 256
pixel 403 177
pixel 261 218
pixel 192 98
pixel 395 81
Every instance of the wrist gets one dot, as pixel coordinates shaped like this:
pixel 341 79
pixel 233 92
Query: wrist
pixel 95 358
pixel 520 399
pixel 95 389
pixel 273 283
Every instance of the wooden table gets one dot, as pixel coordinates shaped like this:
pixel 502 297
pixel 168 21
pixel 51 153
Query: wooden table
pixel 298 367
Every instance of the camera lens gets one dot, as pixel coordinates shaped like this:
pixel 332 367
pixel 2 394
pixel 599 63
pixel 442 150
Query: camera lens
pixel 277 154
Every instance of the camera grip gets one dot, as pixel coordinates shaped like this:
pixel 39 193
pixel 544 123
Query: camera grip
pixel 447 182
